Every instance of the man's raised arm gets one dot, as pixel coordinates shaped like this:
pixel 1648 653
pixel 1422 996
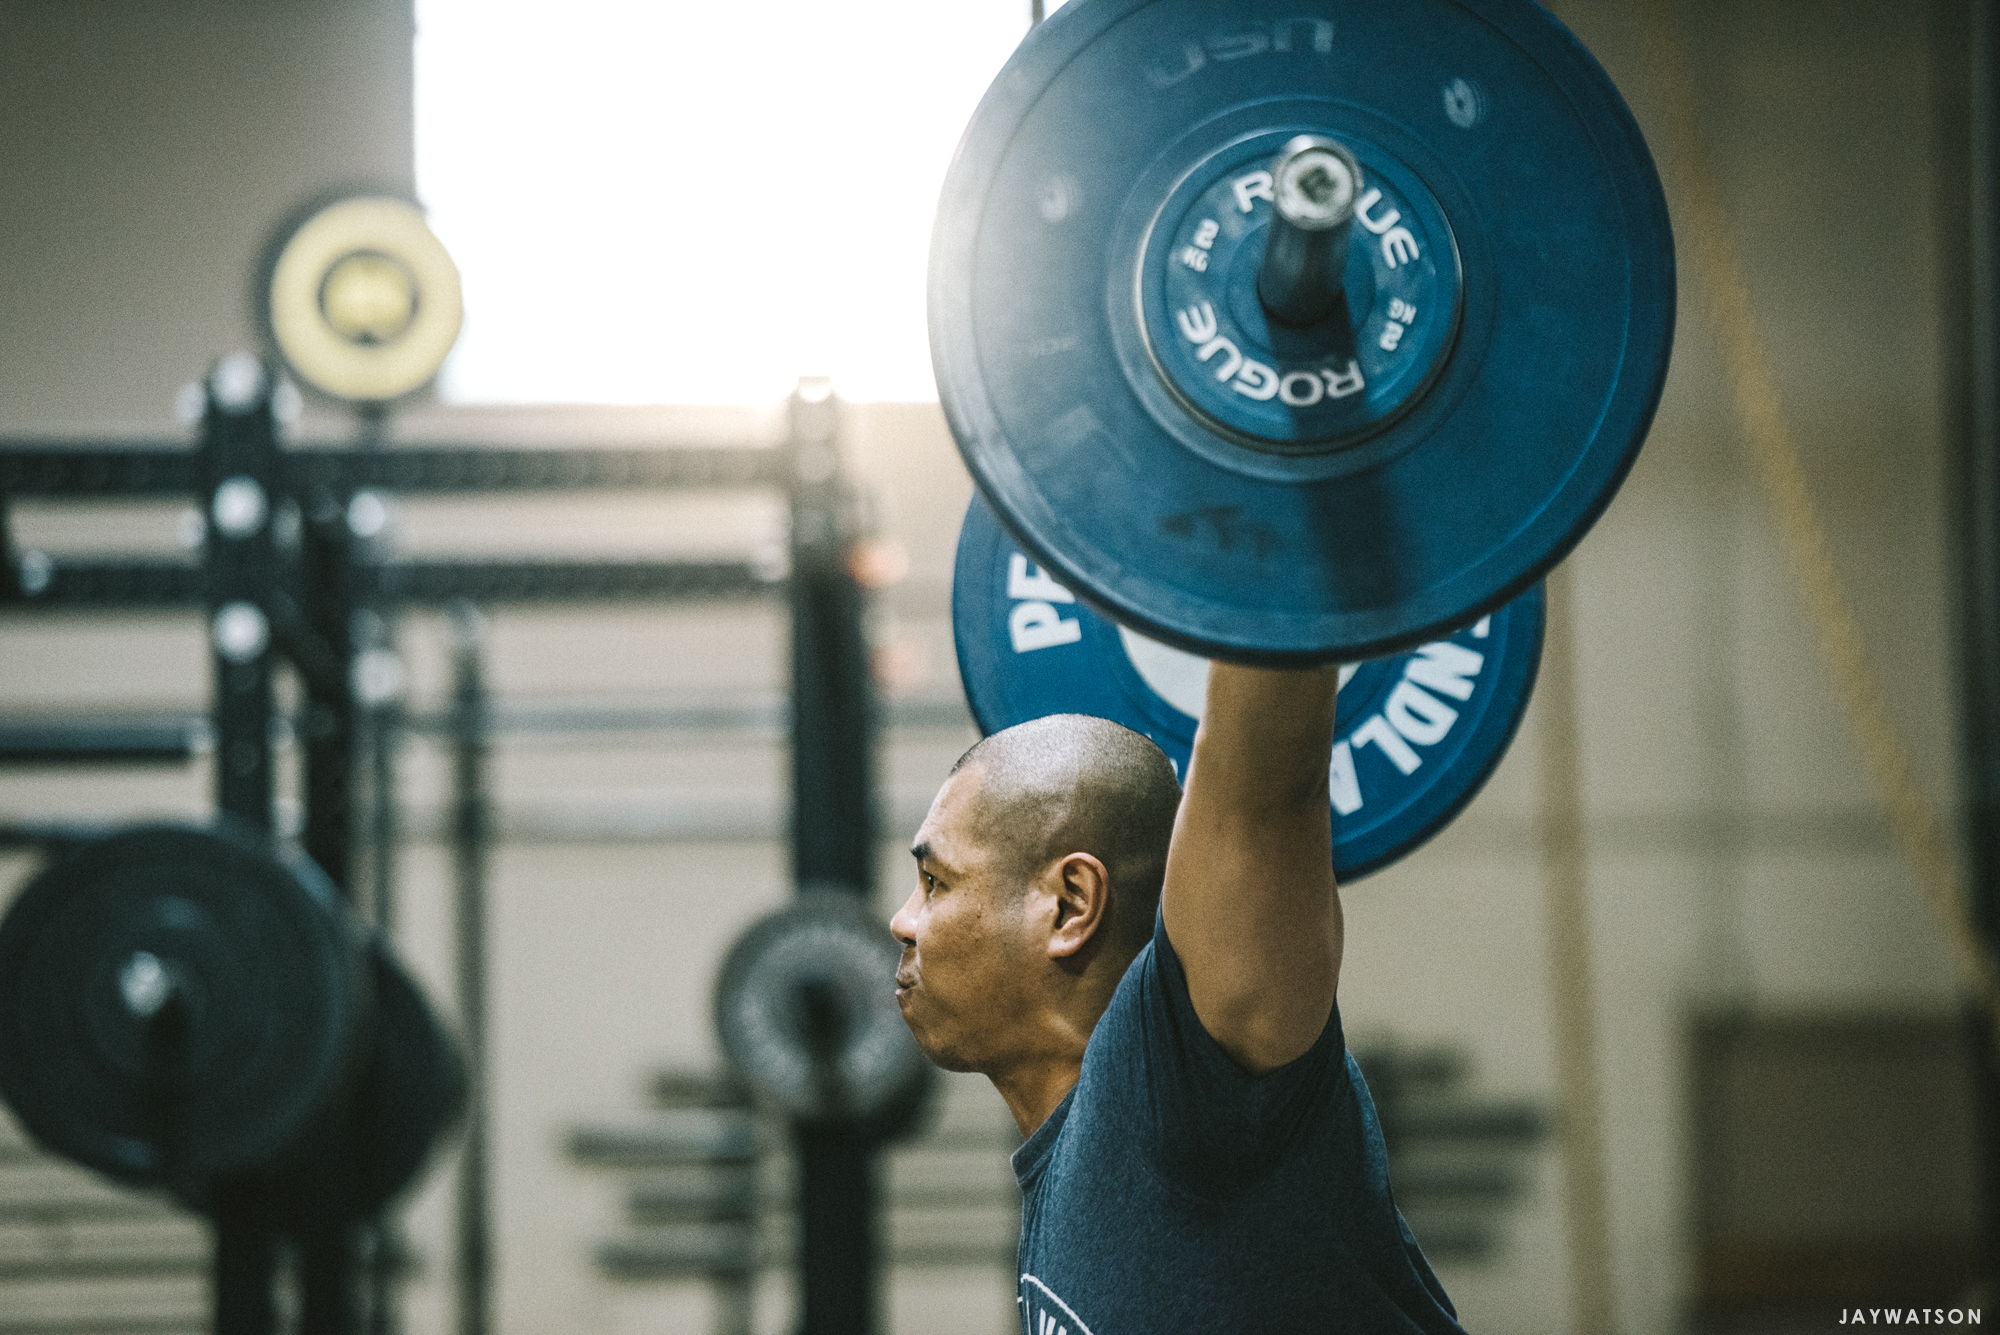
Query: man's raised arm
pixel 1249 901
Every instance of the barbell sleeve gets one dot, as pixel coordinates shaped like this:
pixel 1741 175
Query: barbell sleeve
pixel 1314 183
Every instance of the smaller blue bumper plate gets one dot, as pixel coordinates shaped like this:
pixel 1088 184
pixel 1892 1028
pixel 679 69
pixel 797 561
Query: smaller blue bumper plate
pixel 1418 732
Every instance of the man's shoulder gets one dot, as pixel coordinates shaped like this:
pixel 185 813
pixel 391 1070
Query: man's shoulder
pixel 1115 1053
pixel 1151 1018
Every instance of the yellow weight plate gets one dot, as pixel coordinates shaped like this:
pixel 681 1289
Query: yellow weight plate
pixel 365 302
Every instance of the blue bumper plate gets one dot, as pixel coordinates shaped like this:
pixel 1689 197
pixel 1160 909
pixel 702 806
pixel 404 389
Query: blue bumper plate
pixel 1418 733
pixel 1246 490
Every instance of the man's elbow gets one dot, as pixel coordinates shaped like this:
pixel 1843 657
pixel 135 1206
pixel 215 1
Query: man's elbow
pixel 1267 1025
pixel 1274 1040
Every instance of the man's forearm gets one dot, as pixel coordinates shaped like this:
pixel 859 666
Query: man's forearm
pixel 1267 736
pixel 1250 901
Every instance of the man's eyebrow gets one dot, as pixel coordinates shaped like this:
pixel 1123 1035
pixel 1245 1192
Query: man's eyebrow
pixel 921 851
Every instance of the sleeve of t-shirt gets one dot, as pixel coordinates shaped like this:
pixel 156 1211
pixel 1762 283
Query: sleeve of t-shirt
pixel 1209 1125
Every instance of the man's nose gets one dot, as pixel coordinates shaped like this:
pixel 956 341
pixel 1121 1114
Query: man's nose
pixel 903 926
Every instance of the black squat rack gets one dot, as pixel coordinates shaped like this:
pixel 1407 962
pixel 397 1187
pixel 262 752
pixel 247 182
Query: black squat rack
pixel 287 570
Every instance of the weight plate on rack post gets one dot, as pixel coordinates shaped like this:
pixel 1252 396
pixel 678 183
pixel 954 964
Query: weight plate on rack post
pixel 1417 736
pixel 362 299
pixel 413 1089
pixel 178 1005
pixel 806 1009
pixel 1238 487
pixel 359 1152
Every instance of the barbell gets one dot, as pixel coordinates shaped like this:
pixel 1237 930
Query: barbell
pixel 1303 332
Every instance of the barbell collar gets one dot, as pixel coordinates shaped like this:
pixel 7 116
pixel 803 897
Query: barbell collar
pixel 1314 185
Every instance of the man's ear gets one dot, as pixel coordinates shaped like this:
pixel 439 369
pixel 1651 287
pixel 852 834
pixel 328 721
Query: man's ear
pixel 1082 891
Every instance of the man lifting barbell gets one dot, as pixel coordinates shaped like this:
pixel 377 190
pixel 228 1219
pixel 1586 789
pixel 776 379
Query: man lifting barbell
pixel 1280 337
pixel 1148 979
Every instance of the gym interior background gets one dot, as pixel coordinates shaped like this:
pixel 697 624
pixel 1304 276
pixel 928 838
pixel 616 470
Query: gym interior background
pixel 1788 1071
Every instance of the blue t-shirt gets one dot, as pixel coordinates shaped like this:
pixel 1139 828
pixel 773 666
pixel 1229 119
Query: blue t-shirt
pixel 1171 1193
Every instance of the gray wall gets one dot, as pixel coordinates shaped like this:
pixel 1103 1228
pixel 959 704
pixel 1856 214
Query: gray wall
pixel 150 150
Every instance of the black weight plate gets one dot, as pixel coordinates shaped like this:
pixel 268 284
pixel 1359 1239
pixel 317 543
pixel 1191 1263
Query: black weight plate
pixel 413 1090
pixel 272 994
pixel 1088 167
pixel 854 1061
pixel 370 1142
pixel 1417 733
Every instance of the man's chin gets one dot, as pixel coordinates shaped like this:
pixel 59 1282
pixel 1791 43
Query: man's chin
pixel 942 1054
pixel 946 1061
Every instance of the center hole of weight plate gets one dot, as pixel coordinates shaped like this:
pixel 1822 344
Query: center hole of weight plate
pixel 368 298
pixel 1319 184
pixel 1175 675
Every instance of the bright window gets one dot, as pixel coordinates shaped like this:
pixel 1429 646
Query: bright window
pixel 681 203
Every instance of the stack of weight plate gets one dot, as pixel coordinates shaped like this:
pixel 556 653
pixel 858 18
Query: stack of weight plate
pixel 708 1186
pixel 194 1011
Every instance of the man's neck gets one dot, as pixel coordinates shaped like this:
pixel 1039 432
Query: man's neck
pixel 1033 1090
pixel 1048 1048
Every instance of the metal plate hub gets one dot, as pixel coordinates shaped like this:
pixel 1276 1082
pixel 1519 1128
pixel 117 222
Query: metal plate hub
pixel 1249 378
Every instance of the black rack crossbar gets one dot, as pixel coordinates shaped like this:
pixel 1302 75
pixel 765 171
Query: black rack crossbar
pixel 178 737
pixel 36 468
pixel 135 740
pixel 488 469
pixel 563 581
pixel 139 585
pixel 126 469
pixel 127 585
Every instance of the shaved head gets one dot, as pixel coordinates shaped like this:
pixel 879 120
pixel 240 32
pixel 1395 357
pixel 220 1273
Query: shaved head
pixel 1038 877
pixel 1071 783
